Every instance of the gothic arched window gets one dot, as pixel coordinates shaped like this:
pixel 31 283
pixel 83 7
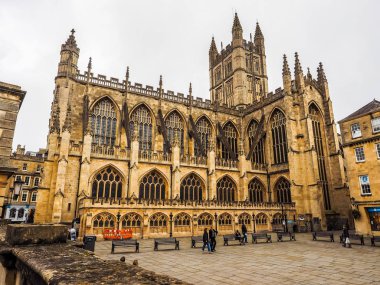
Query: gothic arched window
pixel 204 132
pixel 182 219
pixel 225 189
pixel 205 219
pixel 141 123
pixel 316 121
pixel 256 191
pixel 191 188
pixel 230 133
pixel 258 155
pixel 277 219
pixel 279 140
pixel 261 219
pixel 131 220
pixel 174 126
pixel 108 183
pixel 283 191
pixel 152 186
pixel 158 220
pixel 103 221
pixel 103 122
pixel 244 219
pixel 225 219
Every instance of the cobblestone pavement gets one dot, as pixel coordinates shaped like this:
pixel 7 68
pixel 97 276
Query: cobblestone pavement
pixel 301 262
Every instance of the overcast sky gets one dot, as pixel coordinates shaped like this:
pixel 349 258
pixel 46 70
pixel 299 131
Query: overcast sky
pixel 172 38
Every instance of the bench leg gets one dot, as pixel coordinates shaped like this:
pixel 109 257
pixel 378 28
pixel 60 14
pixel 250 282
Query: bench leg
pixel 177 245
pixel 113 249
pixel 137 248
pixel 155 246
pixel 193 244
pixel 314 237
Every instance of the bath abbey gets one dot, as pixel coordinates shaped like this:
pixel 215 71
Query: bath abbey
pixel 123 155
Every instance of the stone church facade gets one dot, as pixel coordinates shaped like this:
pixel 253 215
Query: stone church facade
pixel 123 155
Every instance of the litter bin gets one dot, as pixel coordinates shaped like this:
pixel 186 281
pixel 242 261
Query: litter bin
pixel 89 243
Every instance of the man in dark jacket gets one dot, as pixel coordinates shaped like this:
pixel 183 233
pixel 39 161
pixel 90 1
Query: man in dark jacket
pixel 206 241
pixel 244 232
pixel 212 235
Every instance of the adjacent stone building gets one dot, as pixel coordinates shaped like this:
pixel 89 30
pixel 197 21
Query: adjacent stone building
pixel 11 97
pixel 361 142
pixel 124 155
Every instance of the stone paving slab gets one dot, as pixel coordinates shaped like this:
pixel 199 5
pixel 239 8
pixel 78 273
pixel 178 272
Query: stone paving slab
pixel 298 262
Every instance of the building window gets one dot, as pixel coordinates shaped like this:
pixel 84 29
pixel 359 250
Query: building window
pixel 107 184
pixel 15 197
pixel 225 219
pixel 359 153
pixel 229 67
pixel 103 123
pixel 175 127
pixel 378 150
pixel 376 125
pixel 225 189
pixel 182 220
pixel 27 180
pixel 283 191
pixel 258 155
pixel 256 191
pixel 244 219
pixel 24 196
pixel 158 220
pixel 205 219
pixel 36 181
pixel 364 185
pixel 218 74
pixel 20 213
pixel 152 186
pixel 131 220
pixel 204 133
pixel 191 188
pixel 24 167
pixel 34 197
pixel 18 178
pixel 230 134
pixel 103 221
pixel 355 131
pixel 141 123
pixel 279 139
pixel 12 213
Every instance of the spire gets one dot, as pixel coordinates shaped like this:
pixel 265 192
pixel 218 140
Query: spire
pixel 160 92
pixel 285 67
pixel 258 32
pixel 321 74
pixel 89 67
pixel 190 97
pixel 71 43
pixel 297 66
pixel 236 25
pixel 126 80
pixel 67 124
pixel 213 48
pixel 308 75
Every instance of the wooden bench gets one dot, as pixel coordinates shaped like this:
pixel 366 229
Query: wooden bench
pixel 281 235
pixel 265 236
pixel 233 238
pixel 166 241
pixel 323 235
pixel 125 243
pixel 374 239
pixel 195 240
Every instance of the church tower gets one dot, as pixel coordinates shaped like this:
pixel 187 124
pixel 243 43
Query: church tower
pixel 238 75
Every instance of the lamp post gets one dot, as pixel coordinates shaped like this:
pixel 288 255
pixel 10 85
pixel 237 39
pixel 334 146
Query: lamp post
pixel 171 223
pixel 282 216
pixel 254 223
pixel 17 187
pixel 118 220
pixel 216 221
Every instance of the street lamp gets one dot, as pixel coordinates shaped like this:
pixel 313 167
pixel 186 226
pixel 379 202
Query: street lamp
pixel 17 187
pixel 216 221
pixel 171 223
pixel 254 223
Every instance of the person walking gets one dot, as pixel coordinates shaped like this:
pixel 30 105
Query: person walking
pixel 244 232
pixel 212 235
pixel 345 234
pixel 206 241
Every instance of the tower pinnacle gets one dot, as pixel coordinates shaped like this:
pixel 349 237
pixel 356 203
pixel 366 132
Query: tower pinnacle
pixel 285 67
pixel 258 32
pixel 297 66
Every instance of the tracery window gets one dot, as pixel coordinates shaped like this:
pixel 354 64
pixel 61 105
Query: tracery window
pixel 283 191
pixel 244 219
pixel 152 186
pixel 158 220
pixel 104 221
pixel 204 133
pixel 205 219
pixel 256 191
pixel 141 123
pixel 230 133
pixel 279 139
pixel 258 155
pixel 174 126
pixel 103 123
pixel 131 220
pixel 316 119
pixel 12 213
pixel 277 219
pixel 191 188
pixel 225 219
pixel 261 219
pixel 182 219
pixel 225 190
pixel 107 184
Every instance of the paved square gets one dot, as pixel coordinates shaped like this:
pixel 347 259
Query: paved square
pixel 299 262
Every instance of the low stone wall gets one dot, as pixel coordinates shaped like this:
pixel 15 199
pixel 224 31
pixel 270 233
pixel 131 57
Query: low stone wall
pixel 64 263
